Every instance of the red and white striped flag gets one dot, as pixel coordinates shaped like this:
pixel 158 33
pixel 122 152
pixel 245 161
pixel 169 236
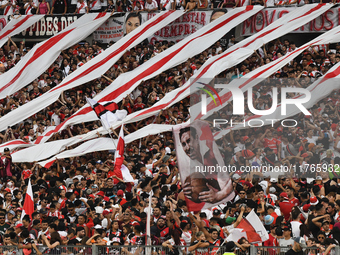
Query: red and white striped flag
pixel 120 170
pixel 44 54
pixel 28 207
pixel 16 26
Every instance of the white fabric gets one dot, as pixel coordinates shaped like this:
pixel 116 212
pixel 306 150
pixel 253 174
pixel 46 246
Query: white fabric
pixel 44 54
pixel 220 64
pixel 12 28
pixel 102 62
pixel 178 53
pixel 98 144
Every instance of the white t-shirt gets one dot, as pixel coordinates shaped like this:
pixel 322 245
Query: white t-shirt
pixel 295 228
pixel 314 139
pixel 151 6
pixel 167 3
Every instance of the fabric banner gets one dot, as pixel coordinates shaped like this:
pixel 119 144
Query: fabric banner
pixel 91 70
pixel 262 19
pixel 251 79
pixel 319 90
pixel 98 144
pixel 182 27
pixel 14 144
pixel 178 53
pixel 200 164
pixel 111 31
pixel 15 26
pixel 218 63
pixel 43 54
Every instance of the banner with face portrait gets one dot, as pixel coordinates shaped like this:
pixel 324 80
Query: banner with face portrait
pixel 204 176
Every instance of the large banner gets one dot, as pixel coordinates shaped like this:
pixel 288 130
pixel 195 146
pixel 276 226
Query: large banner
pixel 111 30
pixel 205 179
pixel 184 26
pixel 265 17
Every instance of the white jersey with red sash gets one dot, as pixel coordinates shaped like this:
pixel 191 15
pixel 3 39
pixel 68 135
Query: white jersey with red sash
pixel 28 9
pixel 166 4
pixel 96 5
pixel 9 9
pixel 81 7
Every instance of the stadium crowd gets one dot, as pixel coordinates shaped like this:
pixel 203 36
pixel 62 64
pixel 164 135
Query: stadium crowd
pixel 78 201
pixel 17 7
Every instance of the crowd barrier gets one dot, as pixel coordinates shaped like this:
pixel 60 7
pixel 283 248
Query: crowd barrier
pixel 155 250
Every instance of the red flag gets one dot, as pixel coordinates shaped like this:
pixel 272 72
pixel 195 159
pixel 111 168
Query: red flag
pixel 28 207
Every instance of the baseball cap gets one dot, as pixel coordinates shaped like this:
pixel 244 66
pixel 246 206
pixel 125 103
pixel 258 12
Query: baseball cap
pixel 216 212
pixel 300 241
pixel 273 180
pixel 120 193
pixel 236 176
pixel 99 162
pixel 318 178
pixel 284 195
pixel 6 149
pixel 245 138
pixel 230 220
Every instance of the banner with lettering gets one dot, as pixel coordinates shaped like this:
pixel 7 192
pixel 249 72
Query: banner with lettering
pixel 265 17
pixel 184 26
pixel 111 30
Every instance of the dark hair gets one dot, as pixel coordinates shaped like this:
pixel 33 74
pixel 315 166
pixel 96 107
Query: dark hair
pixel 134 15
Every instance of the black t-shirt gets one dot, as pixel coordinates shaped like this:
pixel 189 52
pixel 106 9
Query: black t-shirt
pixel 74 241
pixel 201 251
pixel 292 252
pixel 312 227
pixel 109 192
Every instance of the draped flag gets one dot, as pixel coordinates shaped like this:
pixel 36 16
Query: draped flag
pixel 251 79
pixel 119 169
pixel 11 145
pixel 124 84
pixel 28 207
pixel 108 113
pixel 91 70
pixel 98 144
pixel 44 54
pixel 16 26
pixel 318 89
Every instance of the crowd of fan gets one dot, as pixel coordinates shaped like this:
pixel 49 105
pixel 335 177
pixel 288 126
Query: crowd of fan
pixel 78 201
pixel 21 7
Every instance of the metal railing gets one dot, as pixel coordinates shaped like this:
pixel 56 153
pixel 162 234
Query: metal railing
pixel 156 250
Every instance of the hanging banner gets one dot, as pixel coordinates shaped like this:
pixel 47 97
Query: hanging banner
pixel 265 17
pixel 111 30
pixel 186 25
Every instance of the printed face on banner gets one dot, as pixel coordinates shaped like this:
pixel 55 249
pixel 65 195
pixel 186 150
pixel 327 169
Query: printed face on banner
pixel 132 21
pixel 198 157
